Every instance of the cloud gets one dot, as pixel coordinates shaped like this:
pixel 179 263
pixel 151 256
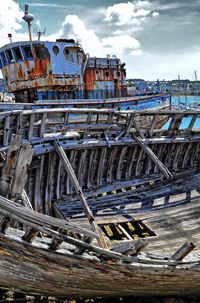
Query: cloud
pixel 127 13
pixel 155 14
pixel 10 16
pixel 120 45
pixel 11 22
pixel 137 52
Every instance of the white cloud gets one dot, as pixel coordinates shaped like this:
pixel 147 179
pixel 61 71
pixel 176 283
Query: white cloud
pixel 120 45
pixel 155 14
pixel 137 52
pixel 128 12
pixel 120 13
pixel 11 21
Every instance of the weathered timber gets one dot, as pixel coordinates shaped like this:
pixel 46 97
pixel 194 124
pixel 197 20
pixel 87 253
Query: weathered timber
pixel 183 251
pixel 34 219
pixel 131 247
pixel 15 169
pixel 78 189
pixel 30 234
pixel 160 189
pixel 153 157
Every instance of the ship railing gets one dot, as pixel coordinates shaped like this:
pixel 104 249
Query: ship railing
pixel 41 123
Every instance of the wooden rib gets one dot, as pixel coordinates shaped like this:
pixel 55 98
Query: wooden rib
pixel 82 158
pixel 58 187
pixel 47 205
pixel 132 161
pixel 19 123
pixel 153 123
pixel 120 163
pixel 110 164
pixel 101 166
pixel 43 124
pixel 90 167
pixel 6 131
pixel 31 124
pixel 192 122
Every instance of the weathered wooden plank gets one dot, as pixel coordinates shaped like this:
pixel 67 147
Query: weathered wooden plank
pixel 183 251
pixel 6 131
pixel 43 124
pixel 131 247
pixel 31 124
pixel 153 157
pixel 20 173
pixel 78 190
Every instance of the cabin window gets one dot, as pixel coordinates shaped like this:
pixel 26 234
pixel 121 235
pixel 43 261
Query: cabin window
pixel 17 54
pixel 107 74
pixel 41 51
pixel 56 49
pixel 3 58
pixel 9 56
pixel 118 74
pixel 27 52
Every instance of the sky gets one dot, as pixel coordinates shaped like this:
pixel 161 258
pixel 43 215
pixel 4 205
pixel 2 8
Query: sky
pixel 158 39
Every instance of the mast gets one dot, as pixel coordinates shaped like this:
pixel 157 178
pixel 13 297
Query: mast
pixel 179 97
pixel 28 18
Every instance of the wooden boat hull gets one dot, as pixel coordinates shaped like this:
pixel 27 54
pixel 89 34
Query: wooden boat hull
pixel 32 269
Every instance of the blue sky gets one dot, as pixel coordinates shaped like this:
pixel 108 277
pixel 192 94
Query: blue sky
pixel 156 39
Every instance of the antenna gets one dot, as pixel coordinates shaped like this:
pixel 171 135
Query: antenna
pixel 28 18
pixel 39 32
pixel 10 37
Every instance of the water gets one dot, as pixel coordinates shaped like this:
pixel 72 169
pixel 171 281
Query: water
pixel 185 102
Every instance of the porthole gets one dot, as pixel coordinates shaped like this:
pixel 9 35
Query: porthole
pixel 56 49
pixel 107 74
pixel 66 54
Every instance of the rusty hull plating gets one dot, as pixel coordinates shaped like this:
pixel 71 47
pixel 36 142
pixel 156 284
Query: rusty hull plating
pixel 59 70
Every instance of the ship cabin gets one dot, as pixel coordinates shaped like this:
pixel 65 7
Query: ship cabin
pixel 36 70
pixel 105 78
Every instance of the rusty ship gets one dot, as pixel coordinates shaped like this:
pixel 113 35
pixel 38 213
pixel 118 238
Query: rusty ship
pixel 94 202
pixel 61 71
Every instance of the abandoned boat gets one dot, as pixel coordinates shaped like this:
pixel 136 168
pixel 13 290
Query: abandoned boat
pixel 138 221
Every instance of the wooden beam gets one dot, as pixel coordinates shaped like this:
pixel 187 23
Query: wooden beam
pixel 153 157
pixel 78 190
pixel 131 247
pixel 183 251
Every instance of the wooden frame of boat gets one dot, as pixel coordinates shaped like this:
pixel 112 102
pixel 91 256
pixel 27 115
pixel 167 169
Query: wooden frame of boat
pixel 107 166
